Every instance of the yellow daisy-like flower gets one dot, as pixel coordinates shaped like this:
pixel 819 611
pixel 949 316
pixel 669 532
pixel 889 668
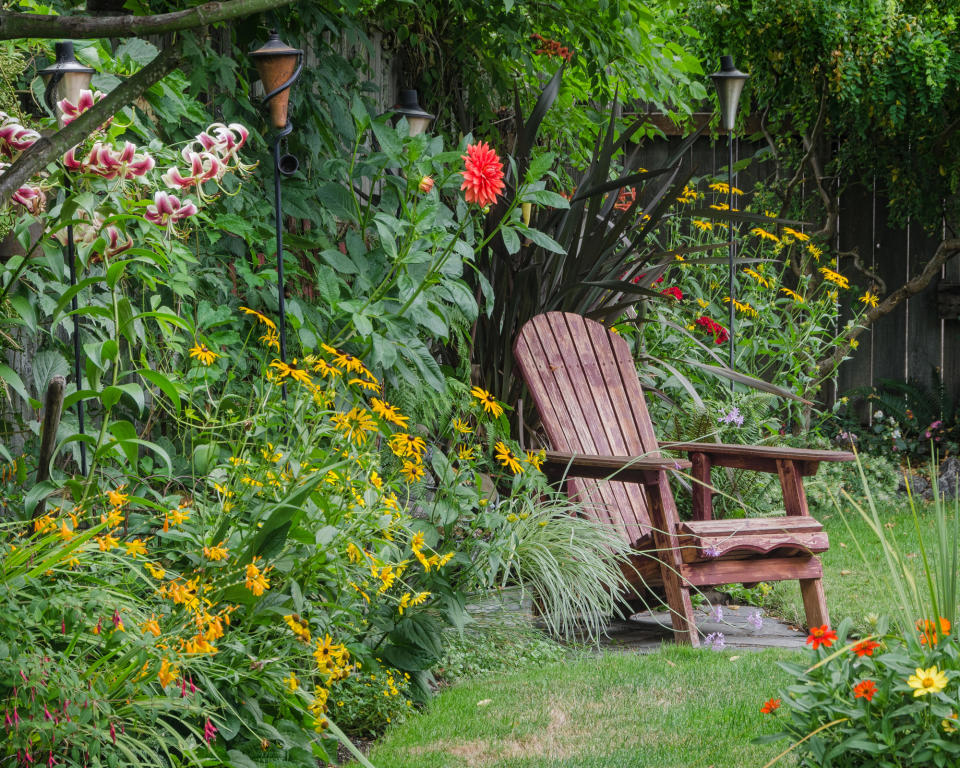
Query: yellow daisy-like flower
pixel 742 306
pixel 758 277
pixel 355 424
pixel 376 481
pixel 292 682
pixel 926 681
pixel 155 570
pixel 365 384
pixel 325 369
pixel 721 207
pixel 462 427
pixel 271 339
pixel 869 299
pixel 796 235
pixel 216 553
pixel 203 353
pixel 404 602
pixel 719 186
pixel 488 401
pixel 388 412
pixel 814 251
pixel 703 225
pixel 420 598
pixel 411 472
pixel 403 444
pixel 260 316
pixel 505 456
pixel 465 453
pixel 536 460
pixel 703 304
pixel 136 547
pixel 834 277
pixel 346 361
pixel 354 555
pixel 291 370
pixel 792 294
pixel 764 234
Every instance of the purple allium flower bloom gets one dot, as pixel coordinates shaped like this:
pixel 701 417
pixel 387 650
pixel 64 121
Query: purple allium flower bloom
pixel 734 417
pixel 755 620
pixel 715 640
pixel 716 613
pixel 711 551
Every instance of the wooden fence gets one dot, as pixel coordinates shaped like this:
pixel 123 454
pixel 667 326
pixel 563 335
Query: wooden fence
pixel 911 343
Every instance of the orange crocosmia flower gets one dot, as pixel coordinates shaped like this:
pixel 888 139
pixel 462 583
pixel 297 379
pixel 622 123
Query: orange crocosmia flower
pixel 865 648
pixel 483 174
pixel 770 705
pixel 865 689
pixel 928 630
pixel 821 636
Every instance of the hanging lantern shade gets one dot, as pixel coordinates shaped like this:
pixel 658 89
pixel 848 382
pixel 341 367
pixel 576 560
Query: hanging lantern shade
pixel 64 79
pixel 409 107
pixel 279 65
pixel 729 83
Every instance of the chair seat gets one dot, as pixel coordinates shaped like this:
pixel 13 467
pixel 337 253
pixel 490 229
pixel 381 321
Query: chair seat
pixel 704 540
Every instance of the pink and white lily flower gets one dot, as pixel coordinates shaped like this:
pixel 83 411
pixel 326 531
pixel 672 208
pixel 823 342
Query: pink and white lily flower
pixel 85 101
pixel 203 167
pixel 13 136
pixel 114 244
pixel 109 163
pixel 31 198
pixel 167 209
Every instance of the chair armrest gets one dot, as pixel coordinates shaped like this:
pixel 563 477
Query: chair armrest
pixel 627 469
pixel 762 458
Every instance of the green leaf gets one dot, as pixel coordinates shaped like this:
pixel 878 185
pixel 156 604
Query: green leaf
pixel 545 197
pixel 543 240
pixel 47 364
pixel 511 240
pixel 110 396
pixel 164 385
pixel 11 377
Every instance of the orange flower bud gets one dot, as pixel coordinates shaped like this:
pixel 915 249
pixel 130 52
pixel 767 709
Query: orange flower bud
pixel 426 184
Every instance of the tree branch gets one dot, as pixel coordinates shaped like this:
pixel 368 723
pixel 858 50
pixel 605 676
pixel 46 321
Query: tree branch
pixel 49 148
pixel 18 25
pixel 945 251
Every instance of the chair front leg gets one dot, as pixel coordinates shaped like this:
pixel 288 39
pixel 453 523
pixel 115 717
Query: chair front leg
pixel 794 497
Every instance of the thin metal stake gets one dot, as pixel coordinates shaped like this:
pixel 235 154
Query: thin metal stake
pixel 731 251
pixel 279 224
pixel 71 260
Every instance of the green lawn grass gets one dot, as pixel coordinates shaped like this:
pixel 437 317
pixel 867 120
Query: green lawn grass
pixel 677 708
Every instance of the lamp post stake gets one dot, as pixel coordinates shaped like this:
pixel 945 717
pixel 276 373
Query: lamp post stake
pixel 65 79
pixel 729 83
pixel 279 66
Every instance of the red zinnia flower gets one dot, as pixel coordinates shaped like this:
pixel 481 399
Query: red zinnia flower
pixel 720 334
pixel 865 648
pixel 483 177
pixel 821 636
pixel 770 705
pixel 865 689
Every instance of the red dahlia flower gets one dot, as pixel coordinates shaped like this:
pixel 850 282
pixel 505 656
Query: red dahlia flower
pixel 821 636
pixel 483 177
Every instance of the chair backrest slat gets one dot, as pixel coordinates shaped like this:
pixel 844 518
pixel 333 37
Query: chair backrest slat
pixel 583 381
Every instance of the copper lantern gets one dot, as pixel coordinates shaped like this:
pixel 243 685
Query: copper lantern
pixel 279 65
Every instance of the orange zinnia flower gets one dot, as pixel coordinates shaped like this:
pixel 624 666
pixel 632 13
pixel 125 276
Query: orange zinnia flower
pixel 865 648
pixel 865 689
pixel 928 630
pixel 770 705
pixel 483 177
pixel 821 636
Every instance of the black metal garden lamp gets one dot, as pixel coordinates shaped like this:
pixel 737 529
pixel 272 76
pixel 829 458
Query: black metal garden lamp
pixel 418 119
pixel 279 66
pixel 66 78
pixel 729 83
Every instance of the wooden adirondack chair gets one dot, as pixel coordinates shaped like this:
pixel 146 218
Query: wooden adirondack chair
pixel 584 383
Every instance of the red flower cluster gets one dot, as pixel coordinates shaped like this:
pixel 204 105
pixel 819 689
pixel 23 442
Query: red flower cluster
pixel 865 648
pixel 673 291
pixel 550 47
pixel 483 174
pixel 865 689
pixel 821 636
pixel 720 334
pixel 770 705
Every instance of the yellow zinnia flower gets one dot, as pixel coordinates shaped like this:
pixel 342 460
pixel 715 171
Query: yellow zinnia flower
pixel 926 681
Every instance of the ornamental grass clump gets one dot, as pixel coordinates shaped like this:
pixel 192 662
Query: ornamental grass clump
pixel 891 698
